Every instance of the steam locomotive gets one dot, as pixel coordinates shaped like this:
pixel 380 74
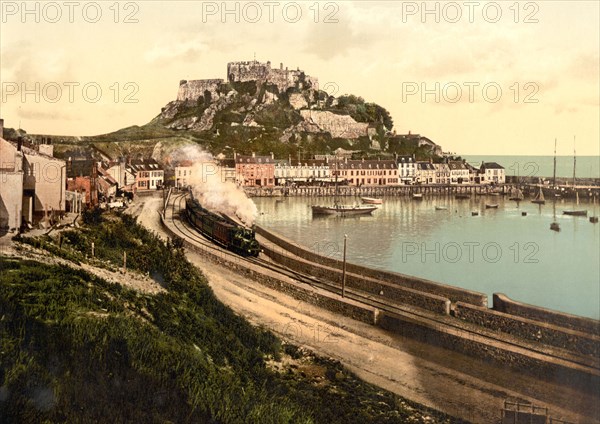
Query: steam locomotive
pixel 222 231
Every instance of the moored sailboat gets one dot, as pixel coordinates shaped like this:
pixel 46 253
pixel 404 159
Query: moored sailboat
pixel 516 194
pixel 339 209
pixel 539 198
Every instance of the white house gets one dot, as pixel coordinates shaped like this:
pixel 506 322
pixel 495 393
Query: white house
pixel 302 171
pixel 426 173
pixel 459 173
pixel 491 172
pixel 183 173
pixel 407 169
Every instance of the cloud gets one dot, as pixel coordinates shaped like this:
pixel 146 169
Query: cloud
pixel 585 66
pixel 26 63
pixel 328 41
pixel 167 51
pixel 28 113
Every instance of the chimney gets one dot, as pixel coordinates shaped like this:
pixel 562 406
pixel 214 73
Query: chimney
pixel 1 128
pixel 272 156
pixel 281 66
pixel 19 143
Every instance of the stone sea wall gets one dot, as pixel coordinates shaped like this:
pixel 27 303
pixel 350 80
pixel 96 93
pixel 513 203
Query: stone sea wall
pixel 398 295
pixel 453 293
pixel 536 331
pixel 503 303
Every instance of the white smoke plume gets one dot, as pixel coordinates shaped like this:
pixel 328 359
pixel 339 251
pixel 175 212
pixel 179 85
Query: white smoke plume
pixel 210 188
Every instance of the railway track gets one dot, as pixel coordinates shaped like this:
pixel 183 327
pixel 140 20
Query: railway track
pixel 444 323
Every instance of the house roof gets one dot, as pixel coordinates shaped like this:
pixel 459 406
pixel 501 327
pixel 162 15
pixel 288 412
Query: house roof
pixel 456 165
pixel 491 165
pixel 254 160
pixel 425 166
pixel 106 176
pixel 367 164
pixel 405 158
pixel 144 165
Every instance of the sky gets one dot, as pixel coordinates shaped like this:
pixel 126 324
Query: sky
pixel 497 78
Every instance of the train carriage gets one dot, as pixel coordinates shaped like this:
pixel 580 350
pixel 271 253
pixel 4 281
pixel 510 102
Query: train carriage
pixel 222 231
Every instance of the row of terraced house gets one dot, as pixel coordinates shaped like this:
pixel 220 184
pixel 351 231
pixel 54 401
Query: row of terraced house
pixel 266 171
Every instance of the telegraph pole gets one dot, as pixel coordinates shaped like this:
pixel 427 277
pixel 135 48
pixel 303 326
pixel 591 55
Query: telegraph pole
pixel 344 268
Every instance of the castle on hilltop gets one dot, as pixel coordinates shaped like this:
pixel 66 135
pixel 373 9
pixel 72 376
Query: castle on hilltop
pixel 282 78
pixel 248 71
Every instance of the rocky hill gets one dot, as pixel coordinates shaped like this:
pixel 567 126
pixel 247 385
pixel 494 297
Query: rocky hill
pixel 258 108
pixel 278 110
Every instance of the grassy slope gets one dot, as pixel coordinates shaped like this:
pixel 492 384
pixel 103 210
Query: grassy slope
pixel 75 348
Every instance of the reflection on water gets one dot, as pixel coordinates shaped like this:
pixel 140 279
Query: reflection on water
pixel 497 251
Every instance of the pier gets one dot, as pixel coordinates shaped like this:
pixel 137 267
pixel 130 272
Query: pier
pixel 584 192
pixel 404 190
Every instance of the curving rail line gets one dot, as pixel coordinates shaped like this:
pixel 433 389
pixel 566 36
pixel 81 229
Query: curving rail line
pixel 462 330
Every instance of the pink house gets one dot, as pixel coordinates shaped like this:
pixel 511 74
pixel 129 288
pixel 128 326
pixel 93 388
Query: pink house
pixel 255 171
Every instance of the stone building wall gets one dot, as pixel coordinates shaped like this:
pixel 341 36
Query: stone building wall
pixel 283 78
pixel 11 198
pixel 47 176
pixel 194 89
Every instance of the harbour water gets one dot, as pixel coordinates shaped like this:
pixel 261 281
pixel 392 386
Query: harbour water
pixel 499 250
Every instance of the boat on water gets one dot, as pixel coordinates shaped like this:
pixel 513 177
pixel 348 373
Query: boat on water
pixel 417 196
pixel 339 209
pixel 539 198
pixel 491 206
pixel 462 196
pixel 441 208
pixel 575 212
pixel 554 226
pixel 516 195
pixel 371 201
pixel 343 210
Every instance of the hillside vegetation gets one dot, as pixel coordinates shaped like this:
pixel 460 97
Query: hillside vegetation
pixel 75 348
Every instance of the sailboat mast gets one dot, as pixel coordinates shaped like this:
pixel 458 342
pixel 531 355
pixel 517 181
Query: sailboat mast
pixel 574 161
pixel 554 174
